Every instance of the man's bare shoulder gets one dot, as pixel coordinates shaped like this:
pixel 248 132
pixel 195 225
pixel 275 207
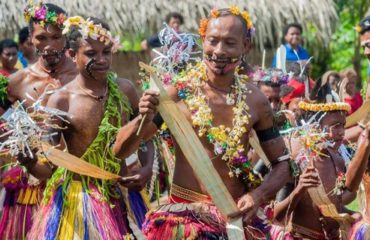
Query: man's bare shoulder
pixel 60 98
pixel 15 82
pixel 256 95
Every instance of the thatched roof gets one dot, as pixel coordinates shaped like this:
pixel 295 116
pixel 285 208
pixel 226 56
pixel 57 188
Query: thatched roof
pixel 269 16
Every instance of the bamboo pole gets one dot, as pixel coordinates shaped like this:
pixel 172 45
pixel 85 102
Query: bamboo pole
pixel 197 157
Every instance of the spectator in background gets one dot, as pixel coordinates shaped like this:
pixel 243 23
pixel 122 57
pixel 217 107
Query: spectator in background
pixel 174 20
pixel 333 79
pixel 293 39
pixel 348 91
pixel 27 52
pixel 364 29
pixel 8 57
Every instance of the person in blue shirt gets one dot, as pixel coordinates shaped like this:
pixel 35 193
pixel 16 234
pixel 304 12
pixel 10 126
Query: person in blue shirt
pixel 27 52
pixel 293 38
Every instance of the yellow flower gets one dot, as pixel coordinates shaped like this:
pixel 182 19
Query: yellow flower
pixel 358 28
pixel 234 10
pixel 74 21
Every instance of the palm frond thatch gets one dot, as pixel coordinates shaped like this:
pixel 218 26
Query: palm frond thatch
pixel 130 16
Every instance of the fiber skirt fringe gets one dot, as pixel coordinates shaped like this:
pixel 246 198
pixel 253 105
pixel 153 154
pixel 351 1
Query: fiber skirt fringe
pixel 83 216
pixel 185 221
pixel 360 230
pixel 19 205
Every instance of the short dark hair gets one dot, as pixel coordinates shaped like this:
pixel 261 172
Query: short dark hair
pixel 365 25
pixel 23 34
pixel 51 7
pixel 174 15
pixel 74 36
pixel 292 25
pixel 226 12
pixel 7 43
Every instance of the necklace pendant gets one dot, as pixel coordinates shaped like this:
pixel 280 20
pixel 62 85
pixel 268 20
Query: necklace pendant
pixel 230 100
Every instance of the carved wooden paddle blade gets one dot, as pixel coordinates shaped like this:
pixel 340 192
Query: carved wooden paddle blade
pixel 76 165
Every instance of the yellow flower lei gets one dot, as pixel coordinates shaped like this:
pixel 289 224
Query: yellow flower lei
pixel 324 107
pixel 227 141
pixel 215 13
pixel 90 30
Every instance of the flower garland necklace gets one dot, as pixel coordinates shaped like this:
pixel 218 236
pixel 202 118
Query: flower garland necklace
pixel 226 141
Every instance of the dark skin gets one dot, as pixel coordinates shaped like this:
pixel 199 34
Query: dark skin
pixel 9 58
pixel 353 133
pixel 272 94
pixel 86 112
pixel 324 171
pixel 293 37
pixel 28 51
pixel 365 38
pixel 48 71
pixel 223 40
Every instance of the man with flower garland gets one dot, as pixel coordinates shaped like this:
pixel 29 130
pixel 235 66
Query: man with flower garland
pixel 75 206
pixel 223 107
pixel 52 70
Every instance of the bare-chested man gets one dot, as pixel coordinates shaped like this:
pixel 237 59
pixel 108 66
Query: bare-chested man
pixel 52 70
pixel 328 168
pixel 97 103
pixel 226 35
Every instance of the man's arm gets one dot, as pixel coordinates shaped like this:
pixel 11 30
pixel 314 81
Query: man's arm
pixel 275 150
pixel 309 178
pixel 43 169
pixel 359 162
pixel 274 147
pixel 127 141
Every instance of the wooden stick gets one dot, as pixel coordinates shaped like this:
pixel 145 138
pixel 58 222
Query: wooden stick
pixel 141 125
pixel 263 59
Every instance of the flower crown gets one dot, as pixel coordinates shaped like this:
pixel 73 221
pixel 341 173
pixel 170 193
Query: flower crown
pixel 215 13
pixel 273 75
pixel 40 14
pixel 324 107
pixel 88 29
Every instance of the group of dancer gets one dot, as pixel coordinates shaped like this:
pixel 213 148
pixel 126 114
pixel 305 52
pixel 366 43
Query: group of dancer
pixel 310 173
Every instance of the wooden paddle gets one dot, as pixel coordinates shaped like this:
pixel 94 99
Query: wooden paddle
pixel 75 164
pixel 363 113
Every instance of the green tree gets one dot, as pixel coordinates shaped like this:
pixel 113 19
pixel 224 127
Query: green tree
pixel 345 48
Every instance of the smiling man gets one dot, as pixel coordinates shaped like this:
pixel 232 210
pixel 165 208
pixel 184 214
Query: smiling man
pixel 223 108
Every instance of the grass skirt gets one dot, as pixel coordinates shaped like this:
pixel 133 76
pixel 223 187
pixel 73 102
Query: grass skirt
pixel 19 205
pixel 185 221
pixel 81 216
pixel 360 230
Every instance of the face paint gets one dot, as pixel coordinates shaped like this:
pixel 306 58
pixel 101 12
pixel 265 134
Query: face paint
pixel 46 53
pixel 88 67
pixel 229 64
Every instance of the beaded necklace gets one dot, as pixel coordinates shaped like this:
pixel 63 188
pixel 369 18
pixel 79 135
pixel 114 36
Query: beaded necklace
pixel 227 141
